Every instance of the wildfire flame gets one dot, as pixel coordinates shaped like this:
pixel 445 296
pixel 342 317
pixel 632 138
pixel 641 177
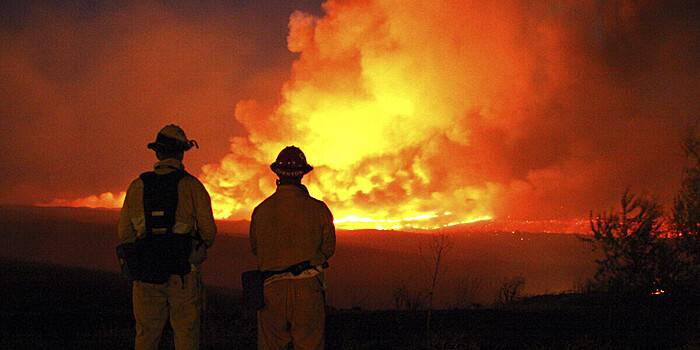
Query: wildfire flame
pixel 420 114
pixel 381 109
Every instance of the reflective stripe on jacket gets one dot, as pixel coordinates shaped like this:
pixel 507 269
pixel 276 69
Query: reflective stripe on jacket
pixel 290 227
pixel 193 208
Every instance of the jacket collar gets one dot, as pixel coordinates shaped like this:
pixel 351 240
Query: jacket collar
pixel 290 188
pixel 167 165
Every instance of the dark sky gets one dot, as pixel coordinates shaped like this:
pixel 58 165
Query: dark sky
pixel 523 108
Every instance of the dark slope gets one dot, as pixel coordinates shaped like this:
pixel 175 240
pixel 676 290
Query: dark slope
pixel 368 267
pixel 51 307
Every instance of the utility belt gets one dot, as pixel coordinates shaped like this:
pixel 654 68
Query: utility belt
pixel 154 258
pixel 254 281
pixel 295 269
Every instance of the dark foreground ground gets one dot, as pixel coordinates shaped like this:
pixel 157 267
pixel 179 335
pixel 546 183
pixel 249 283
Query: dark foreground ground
pixel 51 307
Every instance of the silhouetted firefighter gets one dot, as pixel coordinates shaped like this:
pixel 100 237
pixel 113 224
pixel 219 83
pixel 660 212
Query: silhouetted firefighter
pixel 166 226
pixel 292 235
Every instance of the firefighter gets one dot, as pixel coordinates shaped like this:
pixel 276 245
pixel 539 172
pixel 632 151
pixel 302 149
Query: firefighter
pixel 292 235
pixel 167 214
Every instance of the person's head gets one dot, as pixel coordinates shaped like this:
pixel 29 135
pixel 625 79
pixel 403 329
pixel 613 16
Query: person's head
pixel 171 142
pixel 162 155
pixel 290 165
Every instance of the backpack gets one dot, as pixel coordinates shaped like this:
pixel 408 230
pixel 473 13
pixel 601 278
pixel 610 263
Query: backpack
pixel 161 252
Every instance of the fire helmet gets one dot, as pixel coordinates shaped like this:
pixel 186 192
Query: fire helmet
pixel 171 138
pixel 291 162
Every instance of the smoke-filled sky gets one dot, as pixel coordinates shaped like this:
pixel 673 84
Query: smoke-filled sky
pixel 451 109
pixel 85 85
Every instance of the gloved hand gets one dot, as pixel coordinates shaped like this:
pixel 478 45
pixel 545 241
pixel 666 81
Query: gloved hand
pixel 198 254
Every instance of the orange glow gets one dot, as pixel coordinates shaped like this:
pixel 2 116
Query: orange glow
pixel 425 221
pixel 419 114
pixel 373 105
pixel 104 200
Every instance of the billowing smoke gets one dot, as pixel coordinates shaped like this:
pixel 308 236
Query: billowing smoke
pixel 419 113
pixel 431 113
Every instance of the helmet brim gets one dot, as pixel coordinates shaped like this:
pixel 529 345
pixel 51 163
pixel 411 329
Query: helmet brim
pixel 283 171
pixel 166 144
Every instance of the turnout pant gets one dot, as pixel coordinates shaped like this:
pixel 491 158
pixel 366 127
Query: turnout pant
pixel 294 312
pixel 182 303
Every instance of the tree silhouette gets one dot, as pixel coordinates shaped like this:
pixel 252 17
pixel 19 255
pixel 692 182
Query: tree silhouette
pixel 643 255
pixel 636 256
pixel 686 213
pixel 440 245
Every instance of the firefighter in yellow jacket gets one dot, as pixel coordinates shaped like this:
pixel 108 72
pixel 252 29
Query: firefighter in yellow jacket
pixel 292 235
pixel 167 214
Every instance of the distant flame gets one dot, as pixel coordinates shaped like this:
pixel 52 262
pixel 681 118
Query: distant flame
pixel 104 200
pixel 425 221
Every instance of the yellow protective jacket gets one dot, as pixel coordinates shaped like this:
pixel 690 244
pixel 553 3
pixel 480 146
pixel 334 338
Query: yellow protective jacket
pixel 193 207
pixel 290 227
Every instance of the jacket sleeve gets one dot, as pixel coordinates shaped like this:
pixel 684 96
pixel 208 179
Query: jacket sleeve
pixel 204 214
pixel 253 235
pixel 328 235
pixel 125 230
